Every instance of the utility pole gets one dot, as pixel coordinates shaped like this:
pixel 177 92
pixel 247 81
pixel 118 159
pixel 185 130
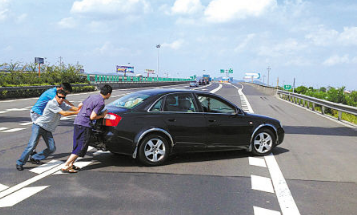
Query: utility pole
pixel 268 75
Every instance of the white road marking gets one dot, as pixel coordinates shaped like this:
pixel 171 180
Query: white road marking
pixel 262 184
pixel 3 128
pixel 6 101
pixel 262 211
pixel 14 129
pixel 3 187
pixel 218 88
pixel 26 123
pixel 257 162
pixel 20 195
pixel 286 201
pixel 45 167
pixel 28 182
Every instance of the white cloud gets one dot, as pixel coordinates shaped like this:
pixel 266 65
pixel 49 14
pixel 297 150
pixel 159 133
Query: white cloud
pixel 323 37
pixel 186 7
pixel 228 10
pixel 108 49
pixel 67 23
pixel 288 47
pixel 21 18
pixel 174 45
pixel 334 60
pixel 110 7
pixel 245 42
pixel 4 11
pixel 348 36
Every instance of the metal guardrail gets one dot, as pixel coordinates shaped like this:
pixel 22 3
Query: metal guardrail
pixel 306 100
pixel 95 79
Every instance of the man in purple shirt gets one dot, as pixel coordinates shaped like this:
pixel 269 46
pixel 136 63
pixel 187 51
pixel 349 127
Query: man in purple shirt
pixel 91 110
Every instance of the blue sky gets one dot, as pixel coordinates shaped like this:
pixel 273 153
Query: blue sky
pixel 314 41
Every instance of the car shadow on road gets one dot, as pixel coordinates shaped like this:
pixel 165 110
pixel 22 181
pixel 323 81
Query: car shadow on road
pixel 109 160
pixel 310 130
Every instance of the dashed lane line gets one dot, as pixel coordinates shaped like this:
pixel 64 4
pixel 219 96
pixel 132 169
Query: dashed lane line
pixel 262 211
pixel 257 162
pixel 262 184
pixel 285 199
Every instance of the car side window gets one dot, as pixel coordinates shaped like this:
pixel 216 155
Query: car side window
pixel 213 105
pixel 157 106
pixel 180 103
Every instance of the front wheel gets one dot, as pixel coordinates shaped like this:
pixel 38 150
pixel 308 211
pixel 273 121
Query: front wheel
pixel 154 150
pixel 263 142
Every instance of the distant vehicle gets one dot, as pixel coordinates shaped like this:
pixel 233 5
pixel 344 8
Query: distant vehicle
pixel 151 125
pixel 202 82
pixel 193 84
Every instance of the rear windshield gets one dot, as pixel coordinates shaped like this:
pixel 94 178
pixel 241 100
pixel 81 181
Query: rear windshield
pixel 130 101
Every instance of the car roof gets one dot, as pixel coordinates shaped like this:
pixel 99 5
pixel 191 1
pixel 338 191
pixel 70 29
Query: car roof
pixel 170 90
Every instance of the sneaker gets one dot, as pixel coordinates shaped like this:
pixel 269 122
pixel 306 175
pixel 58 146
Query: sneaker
pixel 19 167
pixel 34 161
pixel 32 154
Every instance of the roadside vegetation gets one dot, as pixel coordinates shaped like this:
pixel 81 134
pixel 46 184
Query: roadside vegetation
pixel 336 95
pixel 25 75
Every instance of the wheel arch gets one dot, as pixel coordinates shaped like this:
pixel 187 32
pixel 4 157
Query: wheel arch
pixel 140 136
pixel 271 127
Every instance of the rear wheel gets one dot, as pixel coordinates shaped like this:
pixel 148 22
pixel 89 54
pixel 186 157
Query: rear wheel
pixel 154 150
pixel 263 142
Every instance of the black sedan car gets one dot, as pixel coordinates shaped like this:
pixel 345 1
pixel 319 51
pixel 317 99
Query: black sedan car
pixel 150 125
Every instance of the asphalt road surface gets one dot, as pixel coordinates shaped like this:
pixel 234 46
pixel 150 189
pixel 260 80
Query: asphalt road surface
pixel 316 160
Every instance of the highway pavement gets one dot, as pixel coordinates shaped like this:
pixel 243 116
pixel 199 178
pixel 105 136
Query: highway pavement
pixel 316 160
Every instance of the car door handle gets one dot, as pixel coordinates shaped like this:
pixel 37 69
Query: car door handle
pixel 171 120
pixel 212 120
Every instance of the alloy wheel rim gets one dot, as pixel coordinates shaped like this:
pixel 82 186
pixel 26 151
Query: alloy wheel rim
pixel 263 142
pixel 155 150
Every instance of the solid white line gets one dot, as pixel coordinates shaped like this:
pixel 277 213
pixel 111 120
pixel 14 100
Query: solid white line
pixel 218 88
pixel 262 211
pixel 286 201
pixel 262 184
pixel 28 182
pixel 20 195
pixel 3 187
pixel 45 167
pixel 14 129
pixel 2 128
pixel 257 162
pixel 26 123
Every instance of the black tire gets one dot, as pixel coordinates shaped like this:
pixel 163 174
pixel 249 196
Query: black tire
pixel 263 142
pixel 154 150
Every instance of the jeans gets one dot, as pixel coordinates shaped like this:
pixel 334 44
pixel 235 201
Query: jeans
pixel 37 131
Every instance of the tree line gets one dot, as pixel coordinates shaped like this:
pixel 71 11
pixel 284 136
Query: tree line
pixel 18 74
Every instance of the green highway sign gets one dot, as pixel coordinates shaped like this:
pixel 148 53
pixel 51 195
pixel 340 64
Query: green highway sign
pixel 222 70
pixel 287 87
pixel 230 70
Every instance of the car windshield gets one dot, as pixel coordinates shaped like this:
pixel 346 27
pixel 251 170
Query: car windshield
pixel 130 101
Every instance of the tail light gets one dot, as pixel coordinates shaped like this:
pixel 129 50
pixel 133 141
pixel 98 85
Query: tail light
pixel 111 119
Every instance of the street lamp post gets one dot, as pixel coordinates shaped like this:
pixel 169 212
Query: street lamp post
pixel 158 61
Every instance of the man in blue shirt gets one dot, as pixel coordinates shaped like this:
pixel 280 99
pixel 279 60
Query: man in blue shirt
pixel 37 109
pixel 44 126
pixel 91 109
